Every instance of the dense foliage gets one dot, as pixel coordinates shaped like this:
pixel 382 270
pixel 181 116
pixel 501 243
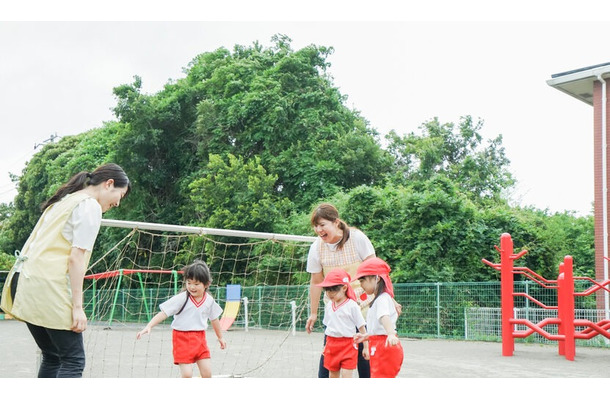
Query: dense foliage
pixel 254 138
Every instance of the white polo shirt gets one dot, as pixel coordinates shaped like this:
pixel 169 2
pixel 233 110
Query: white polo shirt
pixel 194 316
pixel 342 320
pixel 383 305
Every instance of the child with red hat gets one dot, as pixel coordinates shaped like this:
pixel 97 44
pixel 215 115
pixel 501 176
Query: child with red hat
pixel 384 351
pixel 341 315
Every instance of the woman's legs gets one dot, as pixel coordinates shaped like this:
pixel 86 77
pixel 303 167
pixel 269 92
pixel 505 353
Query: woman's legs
pixel 63 352
pixel 322 372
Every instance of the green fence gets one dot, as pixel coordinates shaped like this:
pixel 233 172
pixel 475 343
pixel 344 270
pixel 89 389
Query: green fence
pixel 467 311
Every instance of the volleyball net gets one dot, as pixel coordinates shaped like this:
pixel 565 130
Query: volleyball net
pixel 259 279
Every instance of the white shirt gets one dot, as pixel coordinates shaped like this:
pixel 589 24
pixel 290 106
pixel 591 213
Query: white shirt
pixel 362 244
pixel 84 224
pixel 342 320
pixel 383 305
pixel 194 316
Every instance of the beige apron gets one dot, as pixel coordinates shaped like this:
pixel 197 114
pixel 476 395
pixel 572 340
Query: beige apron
pixel 347 259
pixel 43 296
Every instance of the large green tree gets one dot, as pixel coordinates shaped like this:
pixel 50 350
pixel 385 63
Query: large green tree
pixel 253 138
pixel 280 105
pixel 479 168
pixel 274 103
pixel 236 194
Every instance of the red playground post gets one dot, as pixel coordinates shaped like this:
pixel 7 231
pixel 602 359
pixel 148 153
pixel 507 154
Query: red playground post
pixel 507 261
pixel 565 308
pixel 567 332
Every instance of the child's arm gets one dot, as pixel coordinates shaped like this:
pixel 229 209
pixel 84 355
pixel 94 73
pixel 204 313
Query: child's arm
pixel 398 307
pixel 160 317
pixel 218 331
pixel 392 339
pixel 365 342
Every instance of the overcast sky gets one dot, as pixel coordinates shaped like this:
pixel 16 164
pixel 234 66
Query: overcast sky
pixel 57 78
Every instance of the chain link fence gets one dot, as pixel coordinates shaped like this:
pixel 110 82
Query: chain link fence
pixel 458 310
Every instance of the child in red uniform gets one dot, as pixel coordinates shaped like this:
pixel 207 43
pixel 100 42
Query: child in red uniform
pixel 385 351
pixel 341 315
pixel 191 310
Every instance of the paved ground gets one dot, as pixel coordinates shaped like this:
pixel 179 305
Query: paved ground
pixel 296 356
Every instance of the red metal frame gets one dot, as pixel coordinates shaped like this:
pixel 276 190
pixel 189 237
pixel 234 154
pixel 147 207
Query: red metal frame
pixel 566 324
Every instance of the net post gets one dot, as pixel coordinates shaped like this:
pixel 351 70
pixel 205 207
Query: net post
pixel 116 296
pixel 144 296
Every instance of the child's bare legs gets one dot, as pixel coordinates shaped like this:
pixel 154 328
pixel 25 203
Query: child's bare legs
pixel 342 373
pixel 205 368
pixel 186 370
pixel 346 373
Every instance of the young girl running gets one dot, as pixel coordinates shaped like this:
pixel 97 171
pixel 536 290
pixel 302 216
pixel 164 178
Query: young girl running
pixel 342 316
pixel 385 351
pixel 191 310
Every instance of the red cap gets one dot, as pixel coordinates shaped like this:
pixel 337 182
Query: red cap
pixel 375 266
pixel 337 277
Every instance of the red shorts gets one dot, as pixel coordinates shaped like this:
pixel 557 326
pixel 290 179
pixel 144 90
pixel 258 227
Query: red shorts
pixel 385 360
pixel 189 346
pixel 340 352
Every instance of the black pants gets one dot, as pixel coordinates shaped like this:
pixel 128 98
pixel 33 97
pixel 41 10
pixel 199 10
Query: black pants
pixel 364 368
pixel 63 352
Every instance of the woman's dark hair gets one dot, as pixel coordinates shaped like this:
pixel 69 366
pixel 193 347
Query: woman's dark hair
pixel 84 179
pixel 198 271
pixel 329 212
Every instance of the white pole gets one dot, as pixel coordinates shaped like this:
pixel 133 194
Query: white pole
pixel 465 324
pixel 203 231
pixel 245 300
pixel 438 309
pixel 293 306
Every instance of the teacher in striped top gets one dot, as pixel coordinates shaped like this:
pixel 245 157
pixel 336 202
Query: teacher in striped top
pixel 337 246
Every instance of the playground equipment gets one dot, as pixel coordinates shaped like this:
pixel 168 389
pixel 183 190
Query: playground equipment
pixel 568 328
pixel 231 306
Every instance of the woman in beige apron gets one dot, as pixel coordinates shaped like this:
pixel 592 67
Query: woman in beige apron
pixel 45 286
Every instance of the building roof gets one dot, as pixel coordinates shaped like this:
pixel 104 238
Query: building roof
pixel 578 83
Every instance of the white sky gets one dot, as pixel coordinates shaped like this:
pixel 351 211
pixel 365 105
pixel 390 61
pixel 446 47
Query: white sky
pixel 57 78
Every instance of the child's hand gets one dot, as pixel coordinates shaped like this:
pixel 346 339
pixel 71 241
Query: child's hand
pixel 359 337
pixel 223 343
pixel 143 332
pixel 392 340
pixel 365 353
